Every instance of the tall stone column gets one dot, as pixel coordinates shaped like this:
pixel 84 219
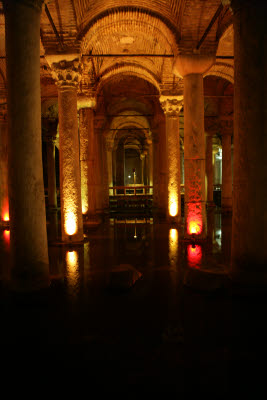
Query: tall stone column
pixel 171 106
pixel 209 169
pixel 66 73
pixel 4 204
pixel 160 196
pixel 249 240
pixel 86 105
pixel 120 165
pixel 226 202
pixel 28 236
pixel 51 174
pixel 150 163
pixel 192 68
pixel 109 154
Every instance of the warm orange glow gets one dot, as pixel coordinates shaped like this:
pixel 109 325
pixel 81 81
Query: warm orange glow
pixel 173 205
pixel 70 223
pixel 173 246
pixel 194 219
pixel 7 236
pixel 72 267
pixel 194 256
pixel 71 259
pixel 6 216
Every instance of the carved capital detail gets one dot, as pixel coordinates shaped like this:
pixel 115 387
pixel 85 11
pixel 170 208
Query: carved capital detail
pixel 67 73
pixel 171 105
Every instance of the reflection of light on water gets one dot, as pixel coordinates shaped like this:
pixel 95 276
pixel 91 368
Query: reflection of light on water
pixel 7 236
pixel 173 246
pixel 86 255
pixel 72 267
pixel 194 255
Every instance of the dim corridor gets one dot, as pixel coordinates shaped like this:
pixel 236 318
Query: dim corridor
pixel 136 307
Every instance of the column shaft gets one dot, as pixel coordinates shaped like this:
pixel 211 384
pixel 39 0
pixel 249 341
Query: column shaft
pixel 83 135
pixel 51 175
pixel 249 241
pixel 209 169
pixel 173 154
pixel 226 172
pixel 70 182
pixel 30 266
pixel 194 155
pixel 4 204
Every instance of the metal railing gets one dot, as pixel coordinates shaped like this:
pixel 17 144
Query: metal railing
pixel 130 190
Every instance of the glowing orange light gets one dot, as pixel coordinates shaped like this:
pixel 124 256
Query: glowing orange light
pixel 173 205
pixel 7 236
pixel 194 256
pixel 70 223
pixel 194 219
pixel 173 246
pixel 72 268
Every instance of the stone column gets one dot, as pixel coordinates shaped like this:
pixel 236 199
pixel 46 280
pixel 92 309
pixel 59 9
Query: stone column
pixel 160 197
pixel 86 105
pixel 4 204
pixel 226 202
pixel 109 154
pixel 28 236
pixel 51 174
pixel 66 73
pixel 171 106
pixel 209 169
pixel 120 165
pixel 249 240
pixel 192 68
pixel 150 163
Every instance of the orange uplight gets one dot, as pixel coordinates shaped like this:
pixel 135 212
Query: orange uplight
pixel 194 256
pixel 70 223
pixel 194 219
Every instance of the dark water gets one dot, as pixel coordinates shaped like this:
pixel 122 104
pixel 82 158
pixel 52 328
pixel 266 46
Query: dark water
pixel 137 306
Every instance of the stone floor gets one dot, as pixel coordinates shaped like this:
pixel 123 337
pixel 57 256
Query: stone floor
pixel 137 308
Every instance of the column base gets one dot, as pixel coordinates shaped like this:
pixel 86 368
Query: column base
pixel 210 204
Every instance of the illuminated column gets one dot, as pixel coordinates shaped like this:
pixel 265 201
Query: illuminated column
pixel 150 163
pixel 86 104
pixel 29 253
pixel 226 202
pixel 51 173
pixel 109 149
pixel 249 244
pixel 171 106
pixel 66 74
pixel 209 169
pixel 4 206
pixel 120 165
pixel 192 68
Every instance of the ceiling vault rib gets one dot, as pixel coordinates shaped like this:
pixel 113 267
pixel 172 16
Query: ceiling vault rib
pixel 214 18
pixel 53 26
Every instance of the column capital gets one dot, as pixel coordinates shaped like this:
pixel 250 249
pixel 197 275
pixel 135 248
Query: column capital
pixel 171 105
pixel 186 64
pixel 66 69
pixel 36 4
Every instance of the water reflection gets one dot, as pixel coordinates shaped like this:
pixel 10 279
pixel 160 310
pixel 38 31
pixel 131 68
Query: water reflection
pixel 72 265
pixel 173 247
pixel 194 255
pixel 7 237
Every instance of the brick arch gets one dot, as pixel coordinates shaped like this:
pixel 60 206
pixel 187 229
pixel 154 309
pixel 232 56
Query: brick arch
pixel 222 70
pixel 121 72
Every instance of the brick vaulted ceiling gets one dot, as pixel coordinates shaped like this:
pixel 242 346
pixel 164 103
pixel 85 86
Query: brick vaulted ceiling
pixel 91 28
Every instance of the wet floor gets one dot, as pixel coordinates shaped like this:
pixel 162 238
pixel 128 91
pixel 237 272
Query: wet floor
pixel 137 306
